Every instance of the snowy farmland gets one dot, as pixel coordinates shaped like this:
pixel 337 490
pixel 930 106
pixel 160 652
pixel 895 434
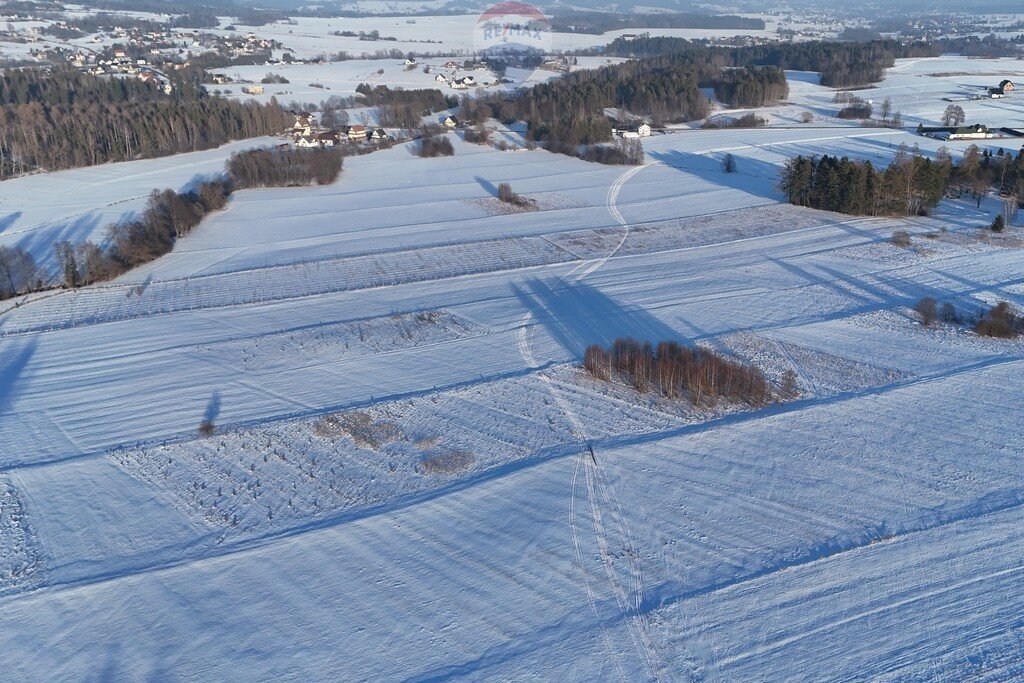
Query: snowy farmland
pixel 395 481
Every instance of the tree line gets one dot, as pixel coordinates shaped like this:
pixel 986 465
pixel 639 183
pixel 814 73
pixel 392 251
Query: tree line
pixel 912 184
pixel 597 23
pixel 168 216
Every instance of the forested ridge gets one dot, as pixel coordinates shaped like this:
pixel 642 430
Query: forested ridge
pixel 841 65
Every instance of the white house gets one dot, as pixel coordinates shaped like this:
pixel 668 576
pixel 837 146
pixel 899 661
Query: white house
pixel 642 130
pixel 975 132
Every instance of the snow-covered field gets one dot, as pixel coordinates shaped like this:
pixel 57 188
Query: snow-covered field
pixel 398 485
pixel 918 87
pixel 79 204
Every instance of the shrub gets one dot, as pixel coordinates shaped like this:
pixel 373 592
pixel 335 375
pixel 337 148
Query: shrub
pixel 806 117
pixel 506 195
pixel 436 146
pixel 948 313
pixel 273 78
pixel 788 388
pixel 478 135
pixel 927 310
pixel 998 223
pixel 858 110
pixel 207 428
pixel 1000 321
pixel 729 163
pixel 900 238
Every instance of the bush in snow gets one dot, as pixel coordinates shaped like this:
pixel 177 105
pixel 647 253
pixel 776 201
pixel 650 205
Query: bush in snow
pixel 927 310
pixel 1000 321
pixel 436 146
pixel 900 238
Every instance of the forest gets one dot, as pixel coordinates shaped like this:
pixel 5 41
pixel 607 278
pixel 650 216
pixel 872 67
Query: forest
pixel 569 112
pixel 752 86
pixel 65 119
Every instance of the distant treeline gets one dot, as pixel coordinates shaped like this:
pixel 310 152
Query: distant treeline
pixel 66 86
pixel 977 46
pixel 196 18
pixel 600 22
pixel 77 26
pixel 168 216
pixel 840 64
pixel 65 119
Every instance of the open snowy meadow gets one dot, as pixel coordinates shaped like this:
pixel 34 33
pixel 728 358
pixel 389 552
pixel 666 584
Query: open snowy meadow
pixel 411 477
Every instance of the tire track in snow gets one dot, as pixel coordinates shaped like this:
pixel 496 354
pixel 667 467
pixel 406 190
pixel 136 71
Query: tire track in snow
pixel 629 598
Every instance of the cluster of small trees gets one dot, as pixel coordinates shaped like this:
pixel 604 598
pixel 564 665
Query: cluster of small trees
pixel 478 135
pixel 1000 321
pixel 911 185
pixel 168 215
pixel 404 108
pixel 746 121
pixel 854 107
pixel 675 370
pixel 624 151
pixel 284 167
pixel 752 86
pixel 435 146
pixel 980 170
pixel 954 115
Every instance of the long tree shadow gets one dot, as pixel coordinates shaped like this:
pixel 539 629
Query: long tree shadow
pixel 488 186
pixel 13 362
pixel 753 176
pixel 9 220
pixel 577 315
